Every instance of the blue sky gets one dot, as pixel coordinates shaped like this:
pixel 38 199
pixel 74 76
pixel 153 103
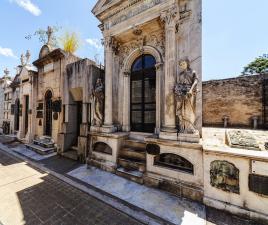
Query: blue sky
pixel 234 32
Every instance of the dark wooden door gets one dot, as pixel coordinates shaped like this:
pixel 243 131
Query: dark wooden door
pixel 79 114
pixel 143 94
pixel 26 121
pixel 48 114
pixel 17 115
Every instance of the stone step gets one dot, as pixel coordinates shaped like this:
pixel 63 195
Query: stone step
pixel 71 154
pixel 133 175
pixel 75 148
pixel 135 143
pixel 132 164
pixel 40 150
pixel 43 144
pixel 133 153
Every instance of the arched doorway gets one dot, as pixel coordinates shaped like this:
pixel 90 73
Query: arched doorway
pixel 17 115
pixel 48 113
pixel 143 94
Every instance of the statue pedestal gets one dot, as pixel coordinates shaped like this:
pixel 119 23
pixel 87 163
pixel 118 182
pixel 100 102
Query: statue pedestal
pixel 189 138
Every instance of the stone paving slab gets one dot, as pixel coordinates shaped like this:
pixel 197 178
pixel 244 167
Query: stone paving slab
pixel 32 197
pixel 157 202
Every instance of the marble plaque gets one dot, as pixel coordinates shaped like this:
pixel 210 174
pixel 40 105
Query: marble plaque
pixel 260 168
pixel 242 139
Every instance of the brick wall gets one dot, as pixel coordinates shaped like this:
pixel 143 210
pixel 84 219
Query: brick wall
pixel 239 98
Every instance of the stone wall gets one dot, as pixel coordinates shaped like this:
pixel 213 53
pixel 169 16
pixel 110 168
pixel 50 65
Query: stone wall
pixel 239 98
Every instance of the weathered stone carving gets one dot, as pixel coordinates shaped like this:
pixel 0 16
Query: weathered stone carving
pixel 110 42
pixel 98 104
pixel 156 40
pixel 242 139
pixel 169 15
pixel 225 176
pixel 185 95
pixel 124 14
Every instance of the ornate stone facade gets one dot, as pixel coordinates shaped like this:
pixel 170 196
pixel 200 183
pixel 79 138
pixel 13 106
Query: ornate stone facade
pixel 144 42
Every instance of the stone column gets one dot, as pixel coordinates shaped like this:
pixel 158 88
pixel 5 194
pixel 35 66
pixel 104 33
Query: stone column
pixel 110 45
pixel 108 118
pixel 126 102
pixel 159 73
pixel 168 17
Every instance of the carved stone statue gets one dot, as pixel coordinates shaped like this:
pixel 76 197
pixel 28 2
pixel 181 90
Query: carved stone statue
pixel 28 56
pixel 98 103
pixel 22 59
pixel 185 96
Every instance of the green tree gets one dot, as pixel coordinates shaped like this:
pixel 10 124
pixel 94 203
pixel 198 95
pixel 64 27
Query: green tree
pixel 258 66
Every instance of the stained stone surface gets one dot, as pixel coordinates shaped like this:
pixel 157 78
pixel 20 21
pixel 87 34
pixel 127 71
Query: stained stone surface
pixel 159 203
pixel 22 150
pixel 242 139
pixel 225 176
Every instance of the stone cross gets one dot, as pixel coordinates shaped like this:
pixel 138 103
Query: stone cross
pixel 6 71
pixel 28 56
pixel 49 35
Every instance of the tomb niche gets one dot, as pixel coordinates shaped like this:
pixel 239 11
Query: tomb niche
pixel 175 162
pixel 102 147
pixel 224 176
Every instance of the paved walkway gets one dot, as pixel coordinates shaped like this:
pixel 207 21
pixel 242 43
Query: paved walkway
pixel 29 196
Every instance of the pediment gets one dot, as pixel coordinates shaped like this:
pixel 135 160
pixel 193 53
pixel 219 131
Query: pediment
pixel 103 5
pixel 24 74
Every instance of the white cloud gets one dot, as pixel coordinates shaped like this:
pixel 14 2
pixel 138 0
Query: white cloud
pixel 7 52
pixel 96 43
pixel 28 6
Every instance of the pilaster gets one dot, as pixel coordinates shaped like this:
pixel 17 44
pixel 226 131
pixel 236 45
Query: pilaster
pixel 168 17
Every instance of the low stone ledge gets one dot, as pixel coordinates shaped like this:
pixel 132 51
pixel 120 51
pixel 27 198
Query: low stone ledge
pixel 153 140
pixel 243 153
pixel 117 135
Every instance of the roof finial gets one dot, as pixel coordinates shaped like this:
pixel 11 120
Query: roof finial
pixel 28 56
pixel 6 71
pixel 22 59
pixel 49 35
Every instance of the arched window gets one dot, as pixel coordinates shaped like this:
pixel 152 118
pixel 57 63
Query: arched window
pixel 143 94
pixel 173 161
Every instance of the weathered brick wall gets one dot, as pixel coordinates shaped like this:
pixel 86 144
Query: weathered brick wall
pixel 238 98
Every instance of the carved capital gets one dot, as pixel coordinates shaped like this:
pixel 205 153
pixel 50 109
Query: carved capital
pixel 110 43
pixel 169 15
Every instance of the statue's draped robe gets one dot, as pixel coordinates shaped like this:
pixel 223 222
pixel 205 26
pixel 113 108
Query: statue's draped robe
pixel 185 104
pixel 98 105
